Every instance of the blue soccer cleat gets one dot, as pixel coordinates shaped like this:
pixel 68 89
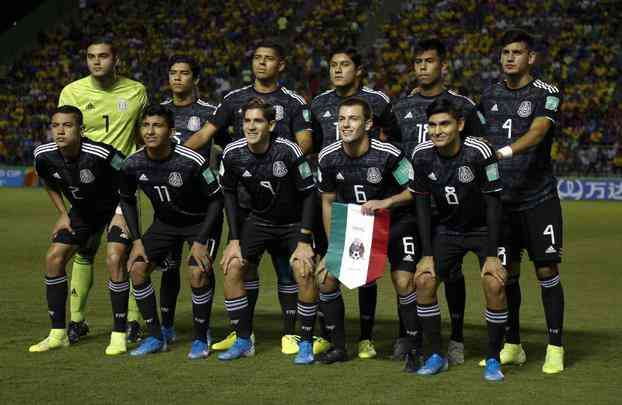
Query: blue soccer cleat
pixel 433 365
pixel 149 345
pixel 169 334
pixel 198 350
pixel 241 348
pixel 492 372
pixel 305 353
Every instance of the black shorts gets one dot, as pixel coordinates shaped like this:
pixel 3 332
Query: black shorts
pixel 161 238
pixel 449 252
pixel 87 232
pixel 404 249
pixel 539 230
pixel 277 239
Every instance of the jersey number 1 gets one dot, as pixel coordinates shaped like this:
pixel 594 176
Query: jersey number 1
pixel 106 121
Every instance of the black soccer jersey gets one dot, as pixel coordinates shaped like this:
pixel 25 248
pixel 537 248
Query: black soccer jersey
pixel 90 182
pixel 189 119
pixel 292 111
pixel 410 113
pixel 325 116
pixel 527 178
pixel 457 183
pixel 274 179
pixel 380 173
pixel 177 187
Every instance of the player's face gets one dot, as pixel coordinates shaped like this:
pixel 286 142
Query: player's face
pixel 428 68
pixel 517 59
pixel 65 130
pixel 256 127
pixel 444 129
pixel 267 64
pixel 180 78
pixel 352 123
pixel 100 60
pixel 343 72
pixel 155 131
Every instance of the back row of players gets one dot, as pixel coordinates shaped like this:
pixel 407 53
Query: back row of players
pixel 366 145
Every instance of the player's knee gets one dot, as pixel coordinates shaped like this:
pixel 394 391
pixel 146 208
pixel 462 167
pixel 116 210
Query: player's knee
pixel 546 270
pixel 139 272
pixel 403 283
pixel 329 285
pixel 198 278
pixel 114 260
pixel 250 271
pixel 425 282
pixel 55 261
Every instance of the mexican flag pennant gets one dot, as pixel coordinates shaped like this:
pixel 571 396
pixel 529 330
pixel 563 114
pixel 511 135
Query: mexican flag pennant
pixel 357 249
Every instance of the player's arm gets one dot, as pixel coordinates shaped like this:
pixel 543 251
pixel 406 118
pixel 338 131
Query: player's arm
pixel 305 183
pixel 129 206
pixel 229 180
pixel 537 132
pixel 54 192
pixel 202 137
pixel 401 173
pixel 327 209
pixel 389 127
pixel 491 189
pixel 328 193
pixel 208 184
pixel 301 127
pixel 304 139
pixel 474 123
pixel 423 202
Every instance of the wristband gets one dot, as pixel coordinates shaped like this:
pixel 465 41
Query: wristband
pixel 306 238
pixel 506 152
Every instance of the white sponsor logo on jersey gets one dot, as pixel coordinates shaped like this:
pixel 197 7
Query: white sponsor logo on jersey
pixel 194 123
pixel 279 169
pixel 373 175
pixel 174 179
pixel 279 112
pixel 86 176
pixel 465 175
pixel 524 109
pixel 122 105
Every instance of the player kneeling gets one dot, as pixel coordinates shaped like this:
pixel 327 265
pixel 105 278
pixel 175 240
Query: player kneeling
pixel 187 205
pixel 463 177
pixel 276 174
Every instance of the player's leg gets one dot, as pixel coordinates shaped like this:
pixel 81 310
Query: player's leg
pixel 170 285
pixel 545 226
pixel 306 310
pixel 455 294
pixel 321 343
pixel 368 297
pixel 331 304
pixel 288 298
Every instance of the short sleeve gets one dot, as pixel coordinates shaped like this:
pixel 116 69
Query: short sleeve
pixel 549 106
pixel 228 176
pixel 418 183
pixel 402 171
pixel 301 118
pixel 304 176
pixel 326 179
pixel 223 116
pixel 208 181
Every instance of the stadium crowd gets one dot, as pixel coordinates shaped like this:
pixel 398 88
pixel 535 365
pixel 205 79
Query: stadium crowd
pixel 582 56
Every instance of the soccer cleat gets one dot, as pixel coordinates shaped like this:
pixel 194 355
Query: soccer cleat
pixel 412 361
pixel 169 334
pixel 333 355
pixel 320 345
pixel 76 330
pixel 227 342
pixel 510 354
pixel 492 372
pixel 198 350
pixel 455 352
pixel 433 365
pixel 56 339
pixel 241 348
pixel 367 349
pixel 289 344
pixel 134 332
pixel 118 344
pixel 149 345
pixel 401 348
pixel 554 360
pixel 305 353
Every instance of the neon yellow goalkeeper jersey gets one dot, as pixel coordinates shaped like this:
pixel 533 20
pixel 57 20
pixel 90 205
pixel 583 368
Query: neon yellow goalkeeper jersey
pixel 110 115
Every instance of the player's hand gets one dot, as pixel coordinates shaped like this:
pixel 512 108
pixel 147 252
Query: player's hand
pixel 425 265
pixel 232 252
pixel 63 223
pixel 303 253
pixel 494 268
pixel 320 271
pixel 198 251
pixel 137 254
pixel 371 206
pixel 415 91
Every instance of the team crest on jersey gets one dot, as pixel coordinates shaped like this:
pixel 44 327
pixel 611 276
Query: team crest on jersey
pixel 465 175
pixel 279 112
pixel 373 175
pixel 524 109
pixel 174 179
pixel 357 249
pixel 194 123
pixel 122 105
pixel 86 176
pixel 279 169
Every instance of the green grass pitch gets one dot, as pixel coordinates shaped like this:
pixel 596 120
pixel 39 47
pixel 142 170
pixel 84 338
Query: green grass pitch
pixel 82 374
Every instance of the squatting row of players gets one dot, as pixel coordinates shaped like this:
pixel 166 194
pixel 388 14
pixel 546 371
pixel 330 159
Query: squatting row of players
pixel 456 177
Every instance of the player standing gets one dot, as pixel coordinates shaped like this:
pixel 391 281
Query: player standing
pixel 522 115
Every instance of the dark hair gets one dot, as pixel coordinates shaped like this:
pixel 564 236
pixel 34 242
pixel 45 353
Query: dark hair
pixel 259 103
pixel 194 67
pixel 280 51
pixel 70 109
pixel 106 40
pixel 431 44
pixel 444 105
pixel 517 35
pixel 352 53
pixel 352 101
pixel 160 111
